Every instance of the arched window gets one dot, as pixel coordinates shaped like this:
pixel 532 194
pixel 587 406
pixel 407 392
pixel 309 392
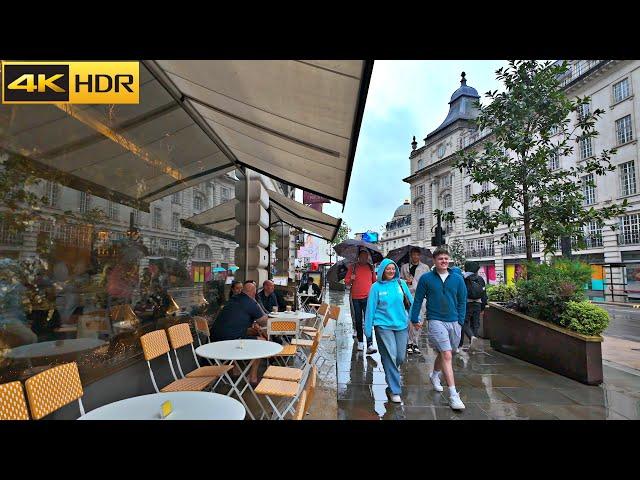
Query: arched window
pixel 198 201
pixel 446 201
pixel 202 252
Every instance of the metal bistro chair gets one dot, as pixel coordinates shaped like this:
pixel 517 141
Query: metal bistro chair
pixel 180 336
pixel 155 344
pixel 201 325
pixel 293 374
pixel 54 388
pixel 286 393
pixel 320 322
pixel 283 327
pixel 13 405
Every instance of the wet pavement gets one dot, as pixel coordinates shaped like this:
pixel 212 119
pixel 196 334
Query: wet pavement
pixel 492 386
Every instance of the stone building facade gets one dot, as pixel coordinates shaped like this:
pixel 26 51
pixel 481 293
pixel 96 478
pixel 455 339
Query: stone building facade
pixel 611 84
pixel 398 230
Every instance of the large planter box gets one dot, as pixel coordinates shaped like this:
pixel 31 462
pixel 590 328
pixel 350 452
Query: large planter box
pixel 555 348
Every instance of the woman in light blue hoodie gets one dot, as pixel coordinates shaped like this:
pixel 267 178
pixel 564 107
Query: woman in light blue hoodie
pixel 386 312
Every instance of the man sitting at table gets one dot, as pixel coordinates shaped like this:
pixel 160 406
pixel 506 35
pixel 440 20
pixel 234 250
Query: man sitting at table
pixel 241 317
pixel 269 298
pixel 310 288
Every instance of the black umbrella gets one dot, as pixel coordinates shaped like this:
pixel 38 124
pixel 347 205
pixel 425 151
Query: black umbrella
pixel 338 271
pixel 402 255
pixel 349 249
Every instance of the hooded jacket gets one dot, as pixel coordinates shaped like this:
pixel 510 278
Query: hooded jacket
pixel 385 307
pixel 446 301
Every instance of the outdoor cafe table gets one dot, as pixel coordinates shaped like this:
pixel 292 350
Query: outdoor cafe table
pixel 53 348
pixel 305 298
pixel 186 406
pixel 235 351
pixel 293 315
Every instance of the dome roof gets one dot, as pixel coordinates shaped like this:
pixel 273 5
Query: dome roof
pixel 464 90
pixel 403 210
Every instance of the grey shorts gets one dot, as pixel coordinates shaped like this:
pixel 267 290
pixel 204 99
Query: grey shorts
pixel 444 335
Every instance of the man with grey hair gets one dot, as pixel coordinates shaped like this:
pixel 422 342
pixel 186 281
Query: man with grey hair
pixel 268 298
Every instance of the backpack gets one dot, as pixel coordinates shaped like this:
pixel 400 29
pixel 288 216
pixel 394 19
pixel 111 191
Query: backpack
pixel 475 286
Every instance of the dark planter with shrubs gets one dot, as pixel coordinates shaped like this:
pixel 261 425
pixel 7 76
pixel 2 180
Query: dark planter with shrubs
pixel 547 345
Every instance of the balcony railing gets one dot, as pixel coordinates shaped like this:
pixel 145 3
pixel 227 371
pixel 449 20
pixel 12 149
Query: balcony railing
pixel 519 249
pixel 481 252
pixel 578 69
pixel 9 237
pixel 629 238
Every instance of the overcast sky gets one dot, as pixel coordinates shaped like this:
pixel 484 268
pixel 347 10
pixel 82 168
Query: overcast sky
pixel 405 98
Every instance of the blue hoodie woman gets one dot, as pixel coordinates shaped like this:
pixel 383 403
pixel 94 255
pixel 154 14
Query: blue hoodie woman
pixel 387 313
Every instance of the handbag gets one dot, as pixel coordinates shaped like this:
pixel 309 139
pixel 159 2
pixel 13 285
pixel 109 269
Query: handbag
pixel 405 300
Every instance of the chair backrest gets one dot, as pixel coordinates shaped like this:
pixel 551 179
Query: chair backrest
pixel 328 316
pixel 13 405
pixel 154 344
pixel 202 326
pixel 323 309
pixel 180 335
pixel 334 312
pixel 314 346
pixel 53 389
pixel 310 388
pixel 300 408
pixel 277 326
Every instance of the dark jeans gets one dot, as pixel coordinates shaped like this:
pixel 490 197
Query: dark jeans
pixel 359 309
pixel 471 321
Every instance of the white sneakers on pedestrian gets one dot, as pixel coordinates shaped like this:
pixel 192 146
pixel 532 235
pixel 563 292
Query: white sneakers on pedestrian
pixel 371 350
pixel 360 346
pixel 474 344
pixel 455 403
pixel 435 381
pixel 396 399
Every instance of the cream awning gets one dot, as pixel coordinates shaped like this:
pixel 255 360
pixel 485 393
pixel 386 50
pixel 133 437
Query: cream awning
pixel 284 209
pixel 294 120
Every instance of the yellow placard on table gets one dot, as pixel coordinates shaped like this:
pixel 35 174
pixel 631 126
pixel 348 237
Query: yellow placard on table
pixel 166 409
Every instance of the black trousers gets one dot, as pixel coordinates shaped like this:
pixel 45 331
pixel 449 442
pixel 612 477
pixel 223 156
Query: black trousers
pixel 471 321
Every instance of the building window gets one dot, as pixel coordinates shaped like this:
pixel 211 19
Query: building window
pixel 157 218
pixel 176 198
pixel 85 202
pixel 175 222
pixel 225 194
pixel 441 150
pixel 586 149
pixel 52 192
pixel 621 90
pixel 136 216
pixel 446 201
pixel 447 180
pixel 485 186
pixel 589 189
pixel 554 161
pixel 198 201
pixel 421 208
pixel 623 130
pixel 421 223
pixel 630 230
pixel 226 254
pixel 554 130
pixel 420 163
pixel 593 234
pixel 202 252
pixel 628 178
pixel 113 211
pixel 467 193
pixel 420 190
pixel 583 111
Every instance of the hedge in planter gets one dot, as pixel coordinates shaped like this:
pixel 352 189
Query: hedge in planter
pixel 585 318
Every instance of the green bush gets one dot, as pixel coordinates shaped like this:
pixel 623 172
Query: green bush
pixel 584 317
pixel 501 292
pixel 549 288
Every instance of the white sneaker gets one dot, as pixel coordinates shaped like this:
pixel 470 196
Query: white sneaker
pixel 360 346
pixel 435 381
pixel 455 403
pixel 396 399
pixel 473 345
pixel 371 350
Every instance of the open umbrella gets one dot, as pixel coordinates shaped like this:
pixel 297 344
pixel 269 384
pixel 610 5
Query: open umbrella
pixel 218 269
pixel 401 255
pixel 349 249
pixel 338 271
pixel 234 268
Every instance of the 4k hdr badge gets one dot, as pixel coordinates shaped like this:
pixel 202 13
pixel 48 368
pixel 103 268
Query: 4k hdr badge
pixel 71 82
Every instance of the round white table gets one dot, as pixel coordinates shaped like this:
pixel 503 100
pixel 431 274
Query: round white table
pixel 53 348
pixel 235 351
pixel 293 315
pixel 186 406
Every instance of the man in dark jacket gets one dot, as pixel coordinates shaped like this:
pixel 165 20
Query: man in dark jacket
pixel 268 298
pixel 311 288
pixel 476 301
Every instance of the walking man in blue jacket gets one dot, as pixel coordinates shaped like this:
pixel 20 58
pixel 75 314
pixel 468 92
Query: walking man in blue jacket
pixel 446 296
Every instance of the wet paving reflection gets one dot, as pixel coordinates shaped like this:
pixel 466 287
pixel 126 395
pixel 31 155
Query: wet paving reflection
pixel 492 386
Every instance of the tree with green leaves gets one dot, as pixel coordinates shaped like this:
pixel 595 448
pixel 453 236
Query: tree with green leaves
pixel 342 235
pixel 456 251
pixel 531 125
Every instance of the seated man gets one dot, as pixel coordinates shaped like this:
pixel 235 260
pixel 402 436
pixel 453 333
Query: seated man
pixel 269 298
pixel 311 289
pixel 241 317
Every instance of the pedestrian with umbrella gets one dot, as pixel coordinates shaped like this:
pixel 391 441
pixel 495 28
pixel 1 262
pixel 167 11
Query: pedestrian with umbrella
pixel 360 276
